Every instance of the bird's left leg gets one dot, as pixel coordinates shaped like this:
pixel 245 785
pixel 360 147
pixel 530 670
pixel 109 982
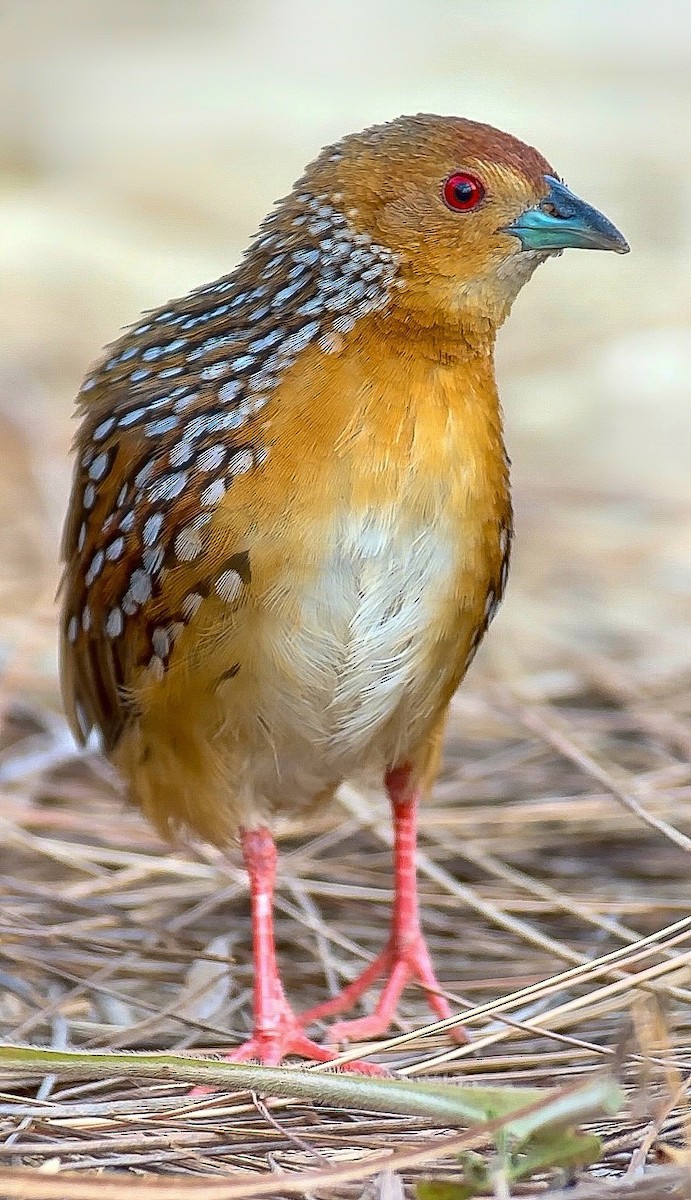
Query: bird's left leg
pixel 405 956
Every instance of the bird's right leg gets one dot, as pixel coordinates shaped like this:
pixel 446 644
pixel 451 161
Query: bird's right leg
pixel 277 1031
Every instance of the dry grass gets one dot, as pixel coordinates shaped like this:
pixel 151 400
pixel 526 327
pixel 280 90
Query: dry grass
pixel 554 871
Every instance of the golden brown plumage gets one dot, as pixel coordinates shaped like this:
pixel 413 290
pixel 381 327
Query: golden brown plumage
pixel 291 521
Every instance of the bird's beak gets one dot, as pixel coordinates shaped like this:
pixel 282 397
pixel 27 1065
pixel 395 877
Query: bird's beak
pixel 561 220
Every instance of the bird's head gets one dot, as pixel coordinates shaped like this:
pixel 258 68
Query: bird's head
pixel 470 212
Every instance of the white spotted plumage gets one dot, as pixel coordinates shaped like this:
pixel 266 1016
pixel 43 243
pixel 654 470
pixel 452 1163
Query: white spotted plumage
pixel 227 346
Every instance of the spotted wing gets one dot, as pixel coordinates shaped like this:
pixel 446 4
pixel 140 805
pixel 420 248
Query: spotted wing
pixel 171 418
pixel 146 485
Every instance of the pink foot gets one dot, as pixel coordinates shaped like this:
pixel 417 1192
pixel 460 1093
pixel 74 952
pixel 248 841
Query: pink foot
pixel 402 964
pixel 270 1047
pixel 406 956
pixel 277 1031
pixel 272 1051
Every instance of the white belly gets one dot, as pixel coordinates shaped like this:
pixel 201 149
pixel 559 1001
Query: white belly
pixel 351 686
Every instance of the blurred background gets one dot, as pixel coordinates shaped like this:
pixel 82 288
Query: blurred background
pixel 141 143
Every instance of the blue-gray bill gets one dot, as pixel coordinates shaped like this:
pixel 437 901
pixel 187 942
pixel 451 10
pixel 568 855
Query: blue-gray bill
pixel 562 220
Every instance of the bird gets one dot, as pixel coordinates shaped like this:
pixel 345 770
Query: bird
pixel 290 521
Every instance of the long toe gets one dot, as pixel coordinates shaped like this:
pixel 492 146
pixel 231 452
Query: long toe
pixel 350 994
pixel 409 963
pixel 272 1049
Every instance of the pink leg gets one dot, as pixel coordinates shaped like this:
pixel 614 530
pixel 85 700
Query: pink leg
pixel 405 956
pixel 277 1032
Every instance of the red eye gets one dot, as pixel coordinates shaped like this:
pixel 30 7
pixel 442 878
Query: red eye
pixel 462 192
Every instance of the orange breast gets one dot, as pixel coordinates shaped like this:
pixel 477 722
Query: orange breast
pixel 376 531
